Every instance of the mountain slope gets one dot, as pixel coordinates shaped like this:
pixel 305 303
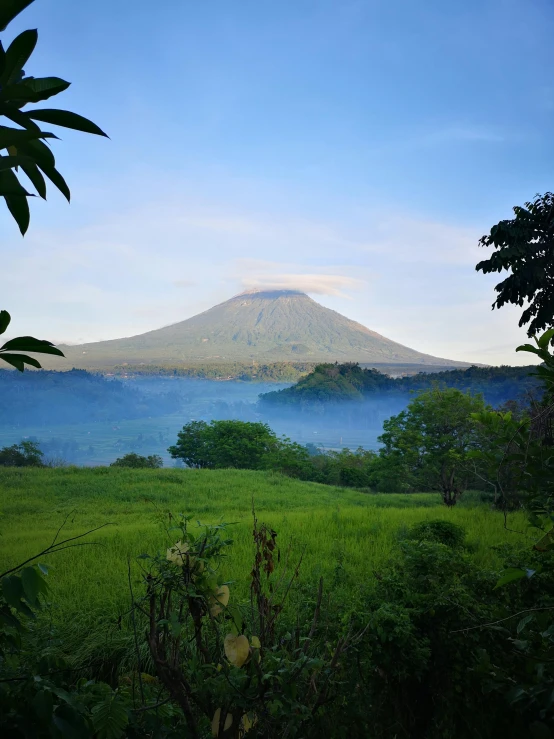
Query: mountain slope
pixel 266 326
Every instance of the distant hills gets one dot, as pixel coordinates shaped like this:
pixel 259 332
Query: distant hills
pixel 329 384
pixel 256 326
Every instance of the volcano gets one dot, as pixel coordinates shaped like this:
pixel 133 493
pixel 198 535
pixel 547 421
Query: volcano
pixel 258 325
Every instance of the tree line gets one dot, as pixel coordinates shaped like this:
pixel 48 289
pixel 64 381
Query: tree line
pixel 329 384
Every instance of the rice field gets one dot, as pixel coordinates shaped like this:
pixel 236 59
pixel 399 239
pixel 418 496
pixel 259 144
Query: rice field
pixel 333 527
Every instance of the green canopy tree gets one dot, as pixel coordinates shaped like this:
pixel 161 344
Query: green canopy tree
pixel 224 444
pixel 524 246
pixel 24 151
pixel 428 446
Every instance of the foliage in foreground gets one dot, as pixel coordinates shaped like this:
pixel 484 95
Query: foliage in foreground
pixel 410 653
pixel 25 146
pixel 27 152
pixel 525 246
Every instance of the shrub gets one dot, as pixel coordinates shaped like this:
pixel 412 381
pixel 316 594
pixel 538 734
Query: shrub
pixel 136 461
pixel 25 454
pixel 443 532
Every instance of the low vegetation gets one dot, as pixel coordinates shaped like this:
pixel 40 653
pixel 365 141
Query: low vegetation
pixel 399 573
pixel 344 613
pixel 138 462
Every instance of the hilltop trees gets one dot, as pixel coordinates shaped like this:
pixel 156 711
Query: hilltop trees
pixel 428 446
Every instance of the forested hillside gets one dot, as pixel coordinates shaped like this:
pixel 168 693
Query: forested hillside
pixel 51 398
pixel 335 383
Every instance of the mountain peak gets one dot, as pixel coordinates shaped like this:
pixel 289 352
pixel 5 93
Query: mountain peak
pixel 262 324
pixel 270 293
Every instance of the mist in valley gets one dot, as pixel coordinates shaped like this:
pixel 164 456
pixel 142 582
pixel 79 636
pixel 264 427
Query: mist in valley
pixel 86 419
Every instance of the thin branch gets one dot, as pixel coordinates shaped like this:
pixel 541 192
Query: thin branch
pixel 57 548
pixel 54 540
pixel 501 620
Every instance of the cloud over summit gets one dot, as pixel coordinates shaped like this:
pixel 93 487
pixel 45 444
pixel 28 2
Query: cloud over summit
pixel 317 284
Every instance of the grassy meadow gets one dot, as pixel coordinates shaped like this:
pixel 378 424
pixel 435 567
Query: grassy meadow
pixel 334 527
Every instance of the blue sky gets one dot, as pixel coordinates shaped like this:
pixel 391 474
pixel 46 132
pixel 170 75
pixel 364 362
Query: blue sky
pixel 356 149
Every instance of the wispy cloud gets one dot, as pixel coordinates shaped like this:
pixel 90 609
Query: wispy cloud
pixel 317 284
pixel 407 277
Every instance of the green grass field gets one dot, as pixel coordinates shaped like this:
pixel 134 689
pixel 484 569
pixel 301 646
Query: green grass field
pixel 333 526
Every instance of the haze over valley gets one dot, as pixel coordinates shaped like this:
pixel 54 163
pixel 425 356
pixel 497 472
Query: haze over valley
pixel 215 365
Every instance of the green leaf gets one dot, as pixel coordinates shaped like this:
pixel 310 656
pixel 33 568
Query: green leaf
pixel 524 621
pixel 66 119
pixel 30 344
pixel 510 575
pixel 11 162
pixel 544 340
pixel 16 137
pixel 43 569
pixel 43 705
pixel 9 9
pixel 39 152
pixel 12 590
pixel 9 620
pixel 17 55
pixel 19 208
pixel 20 117
pixel 546 542
pixel 19 361
pixel 528 348
pixel 33 173
pixel 55 177
pixel 32 585
pixel 70 723
pixel 10 185
pixel 44 87
pixel 110 718
pixel 5 319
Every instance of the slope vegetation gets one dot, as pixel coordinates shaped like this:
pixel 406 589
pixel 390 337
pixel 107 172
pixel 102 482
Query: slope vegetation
pixel 265 326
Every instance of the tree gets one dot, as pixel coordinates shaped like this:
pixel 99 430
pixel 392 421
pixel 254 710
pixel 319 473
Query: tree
pixel 191 446
pixel 136 461
pixel 428 445
pixel 518 456
pixel 223 444
pixel 27 151
pixel 25 454
pixel 525 245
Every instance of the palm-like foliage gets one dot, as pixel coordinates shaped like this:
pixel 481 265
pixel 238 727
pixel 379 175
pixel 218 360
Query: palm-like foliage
pixel 25 144
pixel 27 151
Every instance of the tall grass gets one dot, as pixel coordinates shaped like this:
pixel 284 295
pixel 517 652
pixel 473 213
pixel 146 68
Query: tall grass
pixel 333 528
pixel 326 521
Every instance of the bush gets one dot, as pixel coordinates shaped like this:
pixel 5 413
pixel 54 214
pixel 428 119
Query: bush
pixel 25 454
pixel 444 532
pixel 136 461
pixel 422 654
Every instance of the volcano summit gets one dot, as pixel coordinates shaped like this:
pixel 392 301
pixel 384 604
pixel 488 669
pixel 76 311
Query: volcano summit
pixel 257 325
